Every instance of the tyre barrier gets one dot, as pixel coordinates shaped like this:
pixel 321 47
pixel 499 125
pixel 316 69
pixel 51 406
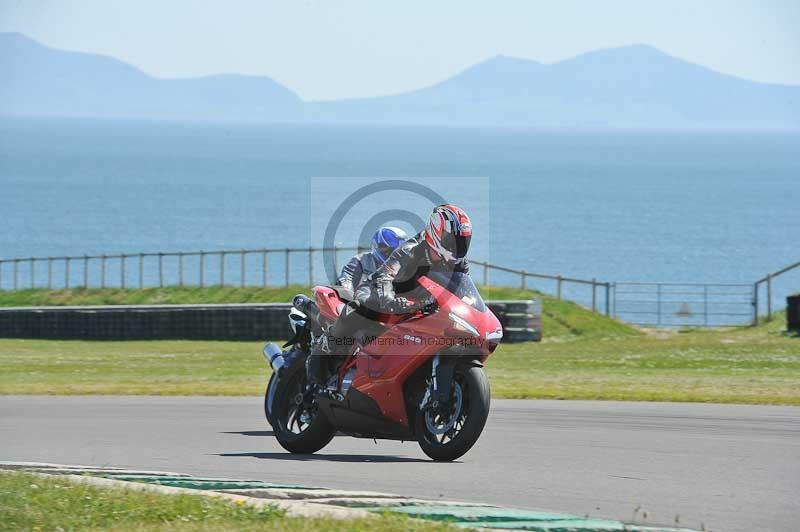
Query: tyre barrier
pixel 521 321
pixel 793 313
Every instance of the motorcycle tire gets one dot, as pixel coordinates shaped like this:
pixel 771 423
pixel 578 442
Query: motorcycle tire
pixel 266 400
pixel 475 402
pixel 308 437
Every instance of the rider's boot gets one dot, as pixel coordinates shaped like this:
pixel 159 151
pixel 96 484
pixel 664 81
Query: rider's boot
pixel 316 364
pixel 315 361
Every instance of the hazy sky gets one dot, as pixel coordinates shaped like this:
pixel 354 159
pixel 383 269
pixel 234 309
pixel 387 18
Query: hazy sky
pixel 335 49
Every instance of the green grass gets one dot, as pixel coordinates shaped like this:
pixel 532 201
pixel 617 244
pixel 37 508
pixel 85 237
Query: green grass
pixel 756 365
pixel 584 356
pixel 147 296
pixel 33 502
pixel 187 295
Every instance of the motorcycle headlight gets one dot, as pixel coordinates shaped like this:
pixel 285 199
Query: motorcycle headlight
pixel 493 339
pixel 461 324
pixel 296 319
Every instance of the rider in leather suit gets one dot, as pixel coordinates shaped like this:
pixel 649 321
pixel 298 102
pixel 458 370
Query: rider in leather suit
pixel 442 246
pixel 361 266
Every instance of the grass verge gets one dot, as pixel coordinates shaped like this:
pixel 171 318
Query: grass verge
pixel 754 365
pixel 584 356
pixel 33 502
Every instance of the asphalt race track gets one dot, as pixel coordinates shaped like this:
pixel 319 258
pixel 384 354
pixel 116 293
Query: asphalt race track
pixel 725 467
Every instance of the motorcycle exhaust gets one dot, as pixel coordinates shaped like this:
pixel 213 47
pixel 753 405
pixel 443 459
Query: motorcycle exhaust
pixel 274 356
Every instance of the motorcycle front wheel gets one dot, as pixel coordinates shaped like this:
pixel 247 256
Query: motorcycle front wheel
pixel 266 399
pixel 298 424
pixel 446 434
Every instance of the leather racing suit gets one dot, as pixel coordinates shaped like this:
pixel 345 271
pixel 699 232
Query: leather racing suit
pixel 387 290
pixel 357 270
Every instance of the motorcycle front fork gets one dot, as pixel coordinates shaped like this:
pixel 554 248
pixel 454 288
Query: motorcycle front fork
pixel 439 391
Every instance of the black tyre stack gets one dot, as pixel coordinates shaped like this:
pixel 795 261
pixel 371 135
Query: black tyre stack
pixel 521 320
pixel 793 313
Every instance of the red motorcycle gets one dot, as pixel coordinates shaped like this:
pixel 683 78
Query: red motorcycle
pixel 421 379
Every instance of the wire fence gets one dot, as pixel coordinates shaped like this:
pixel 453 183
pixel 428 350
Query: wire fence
pixel 659 304
pixel 252 267
pixel 683 304
pixel 781 283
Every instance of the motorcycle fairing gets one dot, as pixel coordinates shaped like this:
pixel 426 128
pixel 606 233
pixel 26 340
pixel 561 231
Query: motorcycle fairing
pixel 384 366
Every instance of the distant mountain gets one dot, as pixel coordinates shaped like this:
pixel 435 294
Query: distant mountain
pixel 41 81
pixel 636 86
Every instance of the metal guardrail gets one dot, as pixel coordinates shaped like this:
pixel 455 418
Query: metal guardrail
pixel 699 304
pixel 766 281
pixel 242 267
pixel 114 269
pixel 684 304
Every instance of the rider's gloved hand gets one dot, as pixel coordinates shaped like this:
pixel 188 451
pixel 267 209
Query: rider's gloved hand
pixel 351 307
pixel 399 305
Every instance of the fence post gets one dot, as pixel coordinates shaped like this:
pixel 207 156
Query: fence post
pixel 608 299
pixel 49 272
pixel 286 265
pixel 310 266
pixel 141 270
pixel 222 268
pixel 522 279
pixel 103 271
pixel 769 297
pixel 66 272
pixel 755 304
pixel 594 294
pixel 202 268
pixel 86 271
pixel 160 270
pixel 264 268
pixel 122 271
pixel 16 273
pixel 243 265
pixel 485 274
pixel 658 303
pixel 558 288
pixel 33 273
pixel 614 299
pixel 180 269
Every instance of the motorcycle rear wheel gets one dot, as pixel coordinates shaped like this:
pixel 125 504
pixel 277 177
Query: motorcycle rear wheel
pixel 470 419
pixel 299 427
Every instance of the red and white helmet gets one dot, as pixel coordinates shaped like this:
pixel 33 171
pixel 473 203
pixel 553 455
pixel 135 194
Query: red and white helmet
pixel 448 233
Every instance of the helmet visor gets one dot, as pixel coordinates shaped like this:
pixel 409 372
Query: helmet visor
pixel 456 245
pixel 384 250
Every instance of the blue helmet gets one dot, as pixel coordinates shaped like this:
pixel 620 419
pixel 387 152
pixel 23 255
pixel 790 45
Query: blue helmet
pixel 385 240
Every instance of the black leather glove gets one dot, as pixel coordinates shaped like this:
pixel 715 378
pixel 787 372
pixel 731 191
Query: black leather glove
pixel 399 305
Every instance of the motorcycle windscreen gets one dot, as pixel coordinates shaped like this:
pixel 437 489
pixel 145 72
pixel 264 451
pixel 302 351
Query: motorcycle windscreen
pixel 461 286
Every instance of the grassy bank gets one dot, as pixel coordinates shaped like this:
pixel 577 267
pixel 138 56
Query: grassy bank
pixel 147 296
pixel 32 502
pixel 584 356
